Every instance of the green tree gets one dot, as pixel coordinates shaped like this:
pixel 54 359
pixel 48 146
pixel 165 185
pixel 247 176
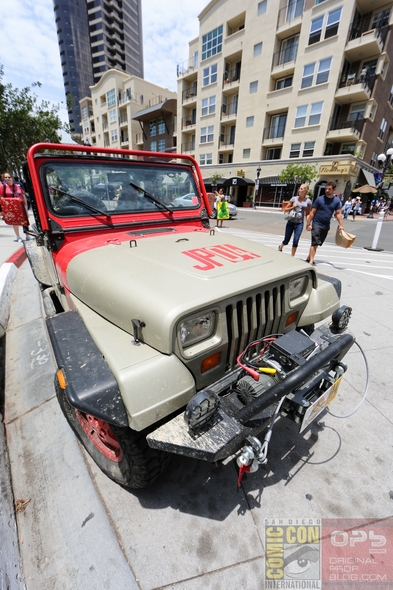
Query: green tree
pixel 24 121
pixel 298 173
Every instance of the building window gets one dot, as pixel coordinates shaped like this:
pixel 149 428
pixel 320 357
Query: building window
pixel 209 75
pixel 390 99
pixel 207 134
pixel 257 49
pixel 308 149
pixel 262 7
pixel 160 127
pixel 253 87
pixel 153 146
pixel 288 49
pixel 380 18
pixel 195 59
pixel 153 128
pixel 111 98
pixel 84 112
pixel 212 43
pixel 208 106
pixel 277 126
pixel 295 150
pixel 112 116
pixel 161 145
pixel 250 121
pixel 373 160
pixel 382 129
pixel 347 148
pixel 314 114
pixel 246 153
pixel 86 128
pixel 325 26
pixel 322 73
pixel 294 9
pixel 284 83
pixel 114 135
pixel 308 75
pixel 357 111
pixel 206 159
pixel 273 153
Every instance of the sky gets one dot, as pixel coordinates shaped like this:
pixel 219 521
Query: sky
pixel 29 51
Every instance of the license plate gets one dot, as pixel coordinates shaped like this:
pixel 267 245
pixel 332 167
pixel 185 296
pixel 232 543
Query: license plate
pixel 320 404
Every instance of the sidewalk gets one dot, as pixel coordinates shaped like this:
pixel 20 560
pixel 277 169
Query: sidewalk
pixel 12 255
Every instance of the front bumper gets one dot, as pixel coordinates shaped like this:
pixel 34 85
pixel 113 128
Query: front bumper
pixel 233 422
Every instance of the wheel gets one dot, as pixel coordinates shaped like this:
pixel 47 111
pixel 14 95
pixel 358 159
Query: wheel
pixel 121 453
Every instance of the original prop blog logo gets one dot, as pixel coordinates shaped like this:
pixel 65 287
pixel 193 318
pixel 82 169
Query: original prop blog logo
pixel 293 553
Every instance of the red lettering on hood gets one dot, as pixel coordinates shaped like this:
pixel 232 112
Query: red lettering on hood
pixel 227 252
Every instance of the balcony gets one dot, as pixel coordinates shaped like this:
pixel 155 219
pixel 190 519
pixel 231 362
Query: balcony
pixel 188 123
pixel 231 81
pixel 227 142
pixel 139 139
pixel 349 130
pixel 354 88
pixel 187 69
pixel 364 42
pixel 290 19
pixel 273 135
pixel 123 121
pixel 229 111
pixel 188 148
pixel 284 62
pixel 124 142
pixel 189 96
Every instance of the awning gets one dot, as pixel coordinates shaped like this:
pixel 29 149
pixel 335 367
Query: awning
pixel 238 181
pixel 272 181
pixel 369 176
pixel 166 107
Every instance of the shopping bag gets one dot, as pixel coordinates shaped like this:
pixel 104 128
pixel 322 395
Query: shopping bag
pixel 344 239
pixel 14 211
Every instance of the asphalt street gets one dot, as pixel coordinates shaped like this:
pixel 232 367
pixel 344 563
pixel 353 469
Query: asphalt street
pixel 193 530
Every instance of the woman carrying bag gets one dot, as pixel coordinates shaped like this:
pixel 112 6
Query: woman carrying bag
pixel 295 211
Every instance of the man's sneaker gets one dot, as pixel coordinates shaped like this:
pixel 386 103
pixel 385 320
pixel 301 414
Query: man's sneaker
pixel 18 239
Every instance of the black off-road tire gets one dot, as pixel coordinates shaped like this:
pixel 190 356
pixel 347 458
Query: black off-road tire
pixel 137 465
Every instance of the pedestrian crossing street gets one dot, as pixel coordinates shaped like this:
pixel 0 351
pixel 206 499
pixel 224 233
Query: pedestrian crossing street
pixel 329 256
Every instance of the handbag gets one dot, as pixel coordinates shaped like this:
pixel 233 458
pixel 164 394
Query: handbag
pixel 344 239
pixel 290 215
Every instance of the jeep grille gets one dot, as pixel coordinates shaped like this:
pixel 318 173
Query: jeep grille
pixel 252 318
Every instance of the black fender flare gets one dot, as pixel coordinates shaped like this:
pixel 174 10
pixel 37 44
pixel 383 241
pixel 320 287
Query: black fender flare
pixel 90 384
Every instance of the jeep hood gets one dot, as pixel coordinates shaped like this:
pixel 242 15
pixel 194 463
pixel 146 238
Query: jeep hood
pixel 161 280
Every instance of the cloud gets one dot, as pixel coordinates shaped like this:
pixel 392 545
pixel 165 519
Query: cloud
pixel 29 51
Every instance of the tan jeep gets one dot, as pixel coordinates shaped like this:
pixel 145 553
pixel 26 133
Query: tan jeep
pixel 169 336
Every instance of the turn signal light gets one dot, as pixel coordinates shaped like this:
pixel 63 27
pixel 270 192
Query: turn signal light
pixel 61 379
pixel 210 362
pixel 291 319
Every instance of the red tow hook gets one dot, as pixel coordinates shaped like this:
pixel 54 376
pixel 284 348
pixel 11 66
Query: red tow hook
pixel 242 469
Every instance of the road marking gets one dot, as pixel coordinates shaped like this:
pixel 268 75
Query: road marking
pixel 353 259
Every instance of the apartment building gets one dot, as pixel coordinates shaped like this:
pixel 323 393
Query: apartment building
pixel 128 112
pixel 271 82
pixel 95 36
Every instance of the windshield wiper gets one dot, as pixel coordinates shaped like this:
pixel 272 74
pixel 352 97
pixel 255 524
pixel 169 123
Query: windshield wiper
pixel 150 197
pixel 84 203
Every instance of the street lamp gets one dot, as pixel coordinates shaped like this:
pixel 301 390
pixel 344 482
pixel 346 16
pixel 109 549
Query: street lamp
pixel 256 186
pixel 384 160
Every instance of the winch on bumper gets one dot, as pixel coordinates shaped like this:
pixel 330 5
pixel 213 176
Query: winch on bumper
pixel 292 375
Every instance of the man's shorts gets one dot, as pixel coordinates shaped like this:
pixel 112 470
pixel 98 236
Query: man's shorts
pixel 318 235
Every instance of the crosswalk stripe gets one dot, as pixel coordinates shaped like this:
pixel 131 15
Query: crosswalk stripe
pixel 354 259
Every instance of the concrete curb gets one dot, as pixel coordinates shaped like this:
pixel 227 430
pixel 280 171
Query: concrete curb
pixel 8 272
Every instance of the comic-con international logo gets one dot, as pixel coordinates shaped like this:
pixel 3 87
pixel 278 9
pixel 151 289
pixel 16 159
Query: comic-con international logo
pixel 293 553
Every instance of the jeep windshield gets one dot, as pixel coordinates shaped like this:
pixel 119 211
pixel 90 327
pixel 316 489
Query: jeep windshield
pixel 76 188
